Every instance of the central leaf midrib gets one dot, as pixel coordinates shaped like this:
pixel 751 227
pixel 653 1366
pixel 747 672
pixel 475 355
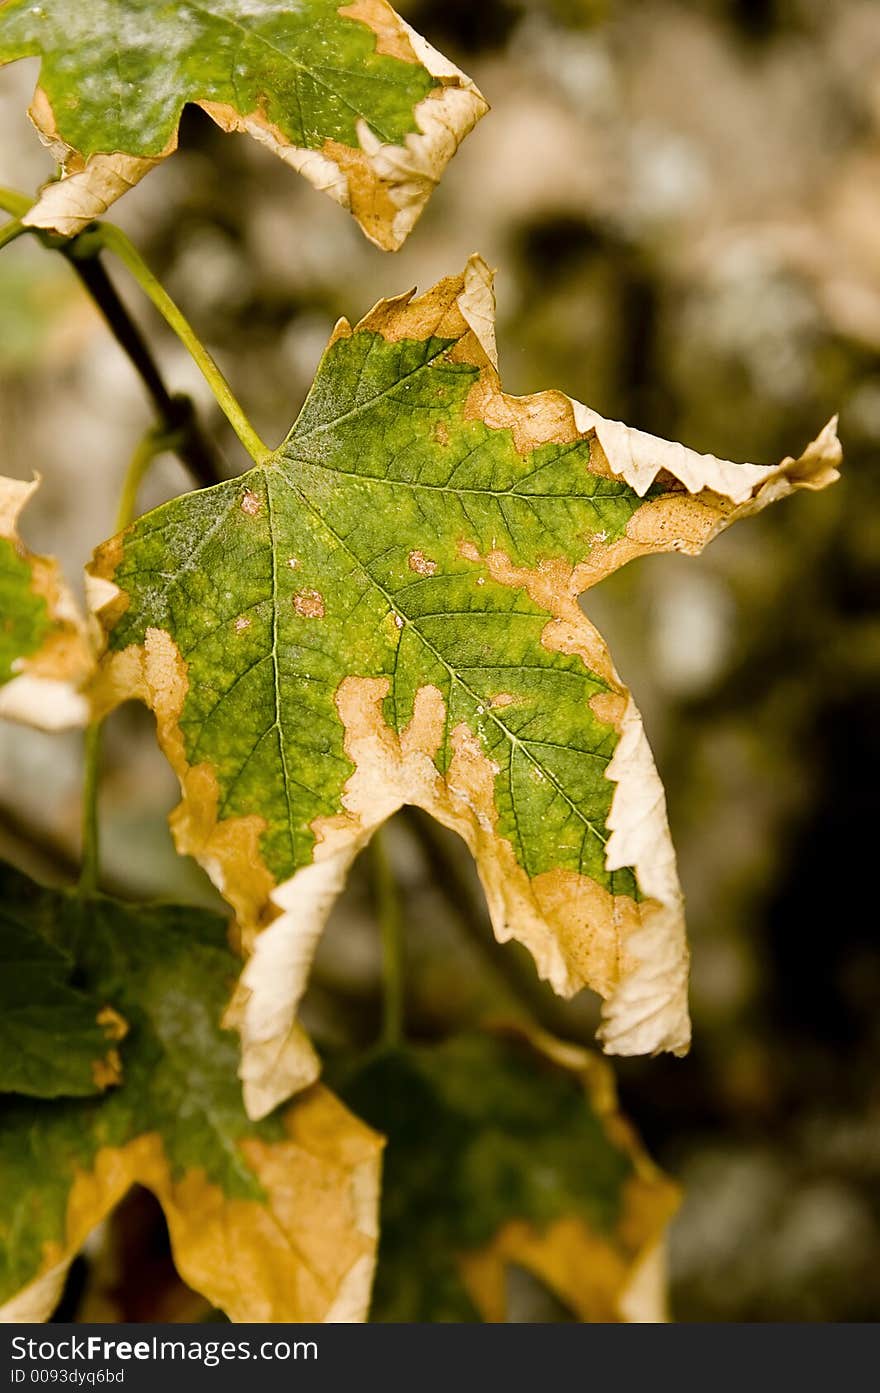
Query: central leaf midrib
pixel 279 724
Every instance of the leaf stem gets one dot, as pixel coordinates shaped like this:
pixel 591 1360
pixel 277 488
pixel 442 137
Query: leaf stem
pixel 176 412
pixel 11 230
pixel 155 442
pixel 116 242
pixel 13 202
pixel 88 878
pixel 83 252
pixel 391 926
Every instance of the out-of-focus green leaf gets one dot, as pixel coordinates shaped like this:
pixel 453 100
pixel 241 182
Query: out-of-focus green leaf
pixel 504 1150
pixel 53 1037
pixel 270 1221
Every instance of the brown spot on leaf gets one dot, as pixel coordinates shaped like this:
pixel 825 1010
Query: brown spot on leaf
pixel 441 433
pixel 390 769
pixel 309 604
pixel 250 503
pixel 107 1072
pixel 114 1026
pixel 609 708
pixel 392 38
pixel 241 624
pixel 500 700
pixel 541 419
pixel 421 564
pixel 65 654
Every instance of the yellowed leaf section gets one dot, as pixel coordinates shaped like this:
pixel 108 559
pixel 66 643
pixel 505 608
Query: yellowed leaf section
pixel 107 1070
pixel 599 1277
pixel 306 1253
pixel 633 954
pixel 385 187
pixel 47 690
pixel 87 187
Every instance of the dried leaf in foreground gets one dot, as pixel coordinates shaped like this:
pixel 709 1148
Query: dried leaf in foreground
pixel 347 94
pixel 386 612
pixel 45 657
pixel 506 1150
pixel 273 1221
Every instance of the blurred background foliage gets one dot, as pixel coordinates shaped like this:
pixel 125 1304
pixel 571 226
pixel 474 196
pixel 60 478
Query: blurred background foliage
pixel 683 200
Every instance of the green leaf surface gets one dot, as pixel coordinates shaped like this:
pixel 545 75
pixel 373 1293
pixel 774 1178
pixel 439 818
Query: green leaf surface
pixel 333 89
pixel 386 612
pixel 45 657
pixel 504 1151
pixel 239 1197
pixel 53 1037
pixel 26 623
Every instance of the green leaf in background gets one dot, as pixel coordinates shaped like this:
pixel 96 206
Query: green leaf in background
pixel 346 94
pixel 53 1037
pixel 385 611
pixel 44 654
pixel 271 1222
pixel 503 1151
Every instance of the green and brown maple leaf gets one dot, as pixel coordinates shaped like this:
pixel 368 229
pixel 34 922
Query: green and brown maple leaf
pixel 385 611
pixel 347 94
pixel 270 1221
pixel 507 1150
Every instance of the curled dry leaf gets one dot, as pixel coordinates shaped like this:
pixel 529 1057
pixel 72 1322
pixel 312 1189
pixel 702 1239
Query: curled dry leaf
pixel 443 532
pixel 45 656
pixel 271 1221
pixel 347 94
pixel 506 1149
